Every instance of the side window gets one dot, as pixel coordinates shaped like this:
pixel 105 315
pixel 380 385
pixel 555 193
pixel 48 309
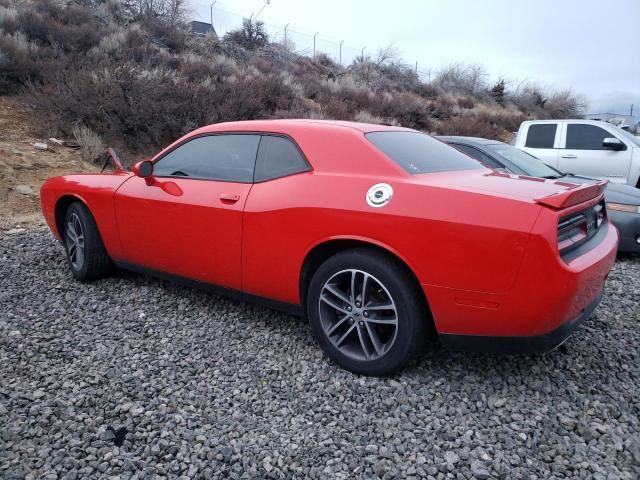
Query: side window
pixel 229 157
pixel 541 135
pixel 478 155
pixel 278 157
pixel 586 137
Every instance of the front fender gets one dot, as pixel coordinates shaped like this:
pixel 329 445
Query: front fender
pixel 96 192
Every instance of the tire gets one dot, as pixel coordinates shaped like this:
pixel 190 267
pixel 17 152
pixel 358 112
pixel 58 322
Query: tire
pixel 87 257
pixel 345 332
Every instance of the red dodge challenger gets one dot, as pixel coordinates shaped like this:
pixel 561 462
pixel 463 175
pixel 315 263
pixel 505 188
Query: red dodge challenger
pixel 382 236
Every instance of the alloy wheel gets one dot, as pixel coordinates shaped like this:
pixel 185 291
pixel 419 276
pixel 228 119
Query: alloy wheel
pixel 75 241
pixel 358 315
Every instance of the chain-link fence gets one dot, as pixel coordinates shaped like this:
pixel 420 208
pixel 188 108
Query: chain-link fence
pixel 307 44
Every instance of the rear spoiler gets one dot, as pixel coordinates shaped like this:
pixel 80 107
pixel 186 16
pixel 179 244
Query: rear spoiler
pixel 574 195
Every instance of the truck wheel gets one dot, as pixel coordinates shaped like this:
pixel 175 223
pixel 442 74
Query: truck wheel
pixel 366 312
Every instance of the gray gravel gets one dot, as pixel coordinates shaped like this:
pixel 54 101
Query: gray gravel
pixel 134 377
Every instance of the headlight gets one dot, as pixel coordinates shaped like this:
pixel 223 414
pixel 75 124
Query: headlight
pixel 623 207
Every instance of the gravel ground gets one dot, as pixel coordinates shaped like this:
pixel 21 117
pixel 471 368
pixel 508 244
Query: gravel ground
pixel 134 377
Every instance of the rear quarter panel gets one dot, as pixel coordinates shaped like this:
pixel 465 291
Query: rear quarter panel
pixel 453 239
pixel 96 191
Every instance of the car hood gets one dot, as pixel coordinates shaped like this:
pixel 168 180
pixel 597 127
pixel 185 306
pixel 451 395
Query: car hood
pixel 615 192
pixel 554 193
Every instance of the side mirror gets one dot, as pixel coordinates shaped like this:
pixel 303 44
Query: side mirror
pixel 143 169
pixel 613 144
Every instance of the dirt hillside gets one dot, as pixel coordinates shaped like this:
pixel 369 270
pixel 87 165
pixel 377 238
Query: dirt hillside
pixel 23 168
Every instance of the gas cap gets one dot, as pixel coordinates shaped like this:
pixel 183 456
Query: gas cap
pixel 379 195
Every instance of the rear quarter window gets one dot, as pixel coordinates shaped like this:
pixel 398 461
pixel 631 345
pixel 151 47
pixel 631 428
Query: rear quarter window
pixel 419 153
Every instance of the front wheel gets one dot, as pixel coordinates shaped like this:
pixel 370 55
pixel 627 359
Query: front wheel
pixel 86 254
pixel 366 312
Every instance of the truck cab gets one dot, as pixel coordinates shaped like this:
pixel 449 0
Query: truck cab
pixel 585 147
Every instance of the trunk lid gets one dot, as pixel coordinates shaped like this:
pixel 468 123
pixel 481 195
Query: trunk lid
pixel 553 193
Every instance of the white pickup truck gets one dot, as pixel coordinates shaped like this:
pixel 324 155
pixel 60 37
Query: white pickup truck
pixel 585 147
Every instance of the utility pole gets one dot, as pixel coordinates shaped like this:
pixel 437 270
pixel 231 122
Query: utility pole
pixel 631 110
pixel 285 34
pixel 314 44
pixel 362 53
pixel 212 4
pixel 340 62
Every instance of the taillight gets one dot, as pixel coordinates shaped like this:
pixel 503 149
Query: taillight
pixel 577 228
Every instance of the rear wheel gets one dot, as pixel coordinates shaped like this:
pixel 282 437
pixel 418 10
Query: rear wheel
pixel 366 312
pixel 86 254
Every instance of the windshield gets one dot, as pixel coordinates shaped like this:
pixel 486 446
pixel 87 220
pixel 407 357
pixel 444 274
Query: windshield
pixel 627 135
pixel 529 164
pixel 419 153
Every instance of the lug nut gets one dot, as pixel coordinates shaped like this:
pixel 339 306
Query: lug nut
pixel 361 323
pixel 366 314
pixel 351 321
pixel 358 304
pixel 349 308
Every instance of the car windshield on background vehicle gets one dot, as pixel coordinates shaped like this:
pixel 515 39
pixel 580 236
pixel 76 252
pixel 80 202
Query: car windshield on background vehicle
pixel 628 135
pixel 524 161
pixel 419 153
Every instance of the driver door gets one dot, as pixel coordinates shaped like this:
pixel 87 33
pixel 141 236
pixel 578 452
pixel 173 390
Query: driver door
pixel 186 219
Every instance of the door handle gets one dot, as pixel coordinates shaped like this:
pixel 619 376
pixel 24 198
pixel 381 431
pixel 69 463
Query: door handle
pixel 570 155
pixel 229 197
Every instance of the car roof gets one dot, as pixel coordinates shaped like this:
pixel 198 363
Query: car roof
pixel 284 125
pixel 474 141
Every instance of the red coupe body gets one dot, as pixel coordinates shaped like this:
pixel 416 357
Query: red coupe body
pixel 483 246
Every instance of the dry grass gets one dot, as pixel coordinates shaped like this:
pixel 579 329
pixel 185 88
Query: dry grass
pixel 91 146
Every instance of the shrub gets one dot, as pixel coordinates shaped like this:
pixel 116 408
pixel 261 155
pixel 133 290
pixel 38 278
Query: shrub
pixel 91 146
pixel 250 36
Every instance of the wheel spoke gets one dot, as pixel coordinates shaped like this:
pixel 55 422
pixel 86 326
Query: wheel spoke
pixel 337 325
pixel 383 321
pixel 364 289
pixel 386 306
pixel 333 305
pixel 365 350
pixel 334 290
pixel 72 252
pixel 71 232
pixel 345 335
pixel 79 257
pixel 353 287
pixel 375 339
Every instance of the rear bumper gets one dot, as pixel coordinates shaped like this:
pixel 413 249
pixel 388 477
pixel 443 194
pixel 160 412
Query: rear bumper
pixel 548 300
pixel 628 225
pixel 521 345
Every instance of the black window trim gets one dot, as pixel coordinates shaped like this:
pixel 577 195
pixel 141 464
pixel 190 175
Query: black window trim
pixel 233 132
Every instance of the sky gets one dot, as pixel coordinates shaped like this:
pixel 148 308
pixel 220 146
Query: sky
pixel 589 46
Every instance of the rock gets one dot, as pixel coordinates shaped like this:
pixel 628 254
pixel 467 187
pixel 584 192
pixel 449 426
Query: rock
pixel 202 386
pixel 451 457
pixel 40 146
pixel 23 189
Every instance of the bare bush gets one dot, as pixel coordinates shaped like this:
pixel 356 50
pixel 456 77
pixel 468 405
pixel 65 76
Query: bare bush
pixel 250 35
pixel 91 146
pixel 463 78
